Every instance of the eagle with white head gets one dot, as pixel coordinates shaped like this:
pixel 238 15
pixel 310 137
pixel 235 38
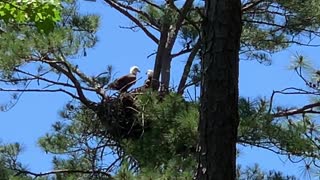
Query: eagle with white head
pixel 123 83
pixel 147 82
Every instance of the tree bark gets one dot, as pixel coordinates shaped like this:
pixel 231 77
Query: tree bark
pixel 219 117
pixel 187 67
pixel 161 52
pixel 169 33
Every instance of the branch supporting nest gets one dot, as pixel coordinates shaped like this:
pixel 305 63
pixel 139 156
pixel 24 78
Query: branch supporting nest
pixel 119 116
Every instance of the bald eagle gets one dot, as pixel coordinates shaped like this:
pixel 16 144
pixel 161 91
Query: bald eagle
pixel 147 82
pixel 123 83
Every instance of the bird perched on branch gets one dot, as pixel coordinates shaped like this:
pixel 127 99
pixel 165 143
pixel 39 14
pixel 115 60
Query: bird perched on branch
pixel 147 82
pixel 123 83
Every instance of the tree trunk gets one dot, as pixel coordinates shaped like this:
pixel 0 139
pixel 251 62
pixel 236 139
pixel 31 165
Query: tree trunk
pixel 159 58
pixel 166 61
pixel 219 117
pixel 165 71
pixel 187 67
pixel 170 32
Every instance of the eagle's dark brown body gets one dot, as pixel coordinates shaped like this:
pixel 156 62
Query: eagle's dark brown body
pixel 123 83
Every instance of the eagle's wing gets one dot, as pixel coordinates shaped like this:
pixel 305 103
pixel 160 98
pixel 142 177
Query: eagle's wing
pixel 123 83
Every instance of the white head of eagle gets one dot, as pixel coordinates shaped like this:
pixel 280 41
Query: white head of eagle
pixel 134 70
pixel 149 73
pixel 147 82
pixel 123 83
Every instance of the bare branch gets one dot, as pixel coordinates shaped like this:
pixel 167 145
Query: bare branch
pixel 40 90
pixel 142 13
pixel 118 7
pixel 251 4
pixel 39 77
pixel 184 77
pixel 183 51
pixel 303 110
pixel 68 72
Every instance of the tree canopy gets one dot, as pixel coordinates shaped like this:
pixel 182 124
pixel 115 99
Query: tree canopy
pixel 40 13
pixel 151 134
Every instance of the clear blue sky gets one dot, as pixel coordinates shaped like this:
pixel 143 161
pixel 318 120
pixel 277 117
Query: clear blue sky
pixel 32 117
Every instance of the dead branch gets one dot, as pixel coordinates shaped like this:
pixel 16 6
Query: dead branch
pixel 249 5
pixel 40 90
pixel 307 109
pixel 183 51
pixel 118 7
pixel 76 83
pixel 142 13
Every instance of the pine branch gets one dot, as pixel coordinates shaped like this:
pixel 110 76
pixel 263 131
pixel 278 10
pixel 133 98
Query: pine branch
pixel 76 83
pixel 60 171
pixel 182 16
pixel 152 4
pixel 40 77
pixel 67 71
pixel 281 26
pixel 307 109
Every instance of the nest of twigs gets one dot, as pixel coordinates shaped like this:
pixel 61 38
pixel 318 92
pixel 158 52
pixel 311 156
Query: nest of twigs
pixel 119 115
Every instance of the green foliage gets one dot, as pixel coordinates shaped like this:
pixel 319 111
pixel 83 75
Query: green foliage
pixel 24 46
pixel 65 136
pixel 9 162
pixel 171 172
pixel 268 27
pixel 154 13
pixel 190 31
pixel 273 27
pixel 79 142
pixel 258 128
pixel 167 146
pixel 83 140
pixel 169 139
pixel 172 135
pixel 44 14
pixel 255 173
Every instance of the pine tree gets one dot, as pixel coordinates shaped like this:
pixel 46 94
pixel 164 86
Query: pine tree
pixel 268 27
pixel 219 117
pixel 151 135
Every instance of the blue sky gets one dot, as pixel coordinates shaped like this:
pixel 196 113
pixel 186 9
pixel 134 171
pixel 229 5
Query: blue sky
pixel 32 117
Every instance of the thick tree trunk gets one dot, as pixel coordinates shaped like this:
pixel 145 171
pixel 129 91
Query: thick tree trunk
pixel 219 117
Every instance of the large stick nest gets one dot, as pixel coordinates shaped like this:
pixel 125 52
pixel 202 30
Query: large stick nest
pixel 120 117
